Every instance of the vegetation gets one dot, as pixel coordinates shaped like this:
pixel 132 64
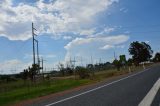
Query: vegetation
pixel 15 91
pixel 82 72
pixel 140 52
pixel 156 57
pixel 31 83
pixel 117 64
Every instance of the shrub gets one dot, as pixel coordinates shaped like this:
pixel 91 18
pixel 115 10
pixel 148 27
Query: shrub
pixel 82 72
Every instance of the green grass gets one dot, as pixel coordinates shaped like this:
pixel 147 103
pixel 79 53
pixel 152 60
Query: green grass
pixel 48 87
pixel 14 92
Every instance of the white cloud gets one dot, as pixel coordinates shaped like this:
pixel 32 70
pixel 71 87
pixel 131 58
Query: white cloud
pixel 13 66
pixel 106 40
pixel 108 30
pixel 87 32
pixel 67 37
pixel 30 56
pixel 50 56
pixel 106 47
pixel 85 47
pixel 53 18
pixel 125 10
pixel 147 41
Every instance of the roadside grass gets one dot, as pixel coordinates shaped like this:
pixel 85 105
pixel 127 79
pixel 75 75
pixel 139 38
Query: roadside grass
pixel 45 88
pixel 14 92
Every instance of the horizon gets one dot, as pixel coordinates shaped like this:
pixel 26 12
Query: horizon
pixel 80 29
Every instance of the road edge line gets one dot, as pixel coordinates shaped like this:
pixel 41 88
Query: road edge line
pixel 65 99
pixel 148 99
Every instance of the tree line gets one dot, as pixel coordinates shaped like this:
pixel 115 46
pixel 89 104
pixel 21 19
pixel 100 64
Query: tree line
pixel 140 52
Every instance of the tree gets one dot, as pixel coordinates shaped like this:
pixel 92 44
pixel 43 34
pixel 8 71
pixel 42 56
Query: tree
pixel 129 62
pixel 117 64
pixel 140 52
pixel 33 71
pixel 61 68
pixel 69 70
pixel 156 57
pixel 25 75
pixel 82 72
pixel 122 59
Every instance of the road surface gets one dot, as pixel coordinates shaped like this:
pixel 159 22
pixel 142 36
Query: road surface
pixel 127 91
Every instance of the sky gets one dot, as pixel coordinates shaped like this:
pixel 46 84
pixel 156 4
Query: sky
pixel 80 29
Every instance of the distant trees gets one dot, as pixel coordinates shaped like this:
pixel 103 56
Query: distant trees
pixel 140 52
pixel 122 59
pixel 117 64
pixel 61 68
pixel 33 71
pixel 25 75
pixel 156 57
pixel 130 62
pixel 82 72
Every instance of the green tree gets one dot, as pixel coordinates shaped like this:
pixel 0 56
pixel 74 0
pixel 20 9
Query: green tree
pixel 156 57
pixel 117 64
pixel 140 52
pixel 129 62
pixel 82 72
pixel 25 75
pixel 33 71
pixel 122 59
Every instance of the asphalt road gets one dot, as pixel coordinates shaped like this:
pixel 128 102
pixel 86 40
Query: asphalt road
pixel 127 91
pixel 156 101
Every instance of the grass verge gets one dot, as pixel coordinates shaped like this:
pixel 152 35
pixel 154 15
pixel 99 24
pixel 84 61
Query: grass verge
pixel 17 91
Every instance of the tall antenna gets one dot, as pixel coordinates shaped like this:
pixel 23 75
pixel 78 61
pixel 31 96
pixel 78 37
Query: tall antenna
pixel 115 55
pixel 91 60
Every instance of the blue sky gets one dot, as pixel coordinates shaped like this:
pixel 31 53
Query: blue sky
pixel 74 28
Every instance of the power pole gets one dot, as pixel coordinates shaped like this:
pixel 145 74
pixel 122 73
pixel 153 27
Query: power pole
pixel 81 61
pixel 100 61
pixel 42 60
pixel 73 61
pixel 92 66
pixel 33 44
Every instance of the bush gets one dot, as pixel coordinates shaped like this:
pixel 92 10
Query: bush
pixel 82 72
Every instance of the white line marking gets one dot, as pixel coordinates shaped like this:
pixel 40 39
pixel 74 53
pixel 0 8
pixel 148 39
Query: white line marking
pixel 95 88
pixel 148 99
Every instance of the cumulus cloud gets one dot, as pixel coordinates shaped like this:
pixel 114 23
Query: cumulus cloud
pixel 114 40
pixel 86 46
pixel 54 17
pixel 13 66
pixel 87 32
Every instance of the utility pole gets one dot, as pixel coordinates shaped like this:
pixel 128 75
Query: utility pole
pixel 33 44
pixel 73 61
pixel 42 60
pixel 100 61
pixel 81 61
pixel 92 69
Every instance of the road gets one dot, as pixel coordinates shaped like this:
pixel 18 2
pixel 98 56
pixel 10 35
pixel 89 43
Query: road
pixel 126 91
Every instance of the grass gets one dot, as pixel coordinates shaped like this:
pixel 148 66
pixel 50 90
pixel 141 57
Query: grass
pixel 45 88
pixel 16 91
